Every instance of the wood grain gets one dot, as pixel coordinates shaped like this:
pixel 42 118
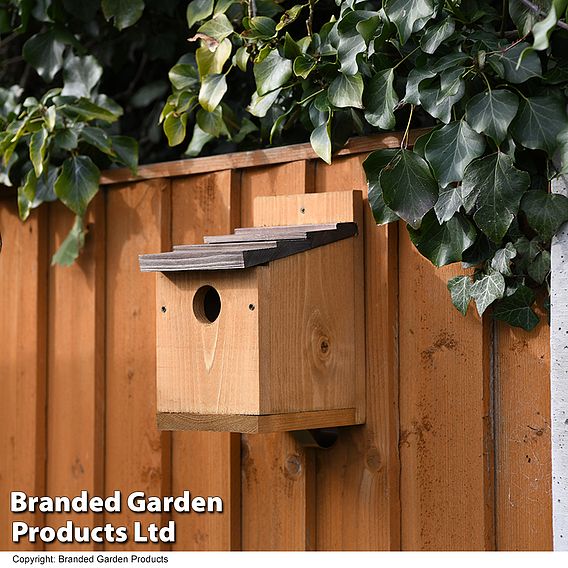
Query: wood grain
pixel 278 474
pixel 254 158
pixel 358 504
pixel 207 463
pixel 248 424
pixel 445 449
pixel 222 357
pixel 75 393
pixel 290 178
pixel 23 313
pixel 137 454
pixel 315 327
pixel 522 427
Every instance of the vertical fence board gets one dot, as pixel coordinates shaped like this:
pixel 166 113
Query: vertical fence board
pixel 278 474
pixel 206 463
pixel 293 177
pixel 357 480
pixel 75 383
pixel 445 449
pixel 23 283
pixel 523 476
pixel 137 454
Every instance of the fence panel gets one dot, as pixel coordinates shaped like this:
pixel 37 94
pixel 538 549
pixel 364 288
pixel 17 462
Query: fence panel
pixel 75 354
pixel 206 463
pixel 23 286
pixel 455 452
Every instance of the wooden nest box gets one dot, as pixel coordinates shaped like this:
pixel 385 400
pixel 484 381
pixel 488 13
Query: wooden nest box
pixel 263 330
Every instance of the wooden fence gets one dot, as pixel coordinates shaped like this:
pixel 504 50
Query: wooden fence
pixel 455 453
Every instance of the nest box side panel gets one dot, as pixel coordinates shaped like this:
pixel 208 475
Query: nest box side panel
pixel 203 366
pixel 329 303
pixel 311 332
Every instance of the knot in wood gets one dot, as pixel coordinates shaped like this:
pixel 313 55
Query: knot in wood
pixel 293 466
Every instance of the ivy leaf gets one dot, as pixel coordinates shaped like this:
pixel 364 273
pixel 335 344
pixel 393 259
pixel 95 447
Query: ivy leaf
pixel 44 52
pixel 198 140
pixel 460 292
pixel 451 148
pixel 443 243
pixel 415 78
pixel 523 17
pixel 126 148
pixel 497 187
pixel 436 35
pixel 373 165
pixel 260 105
pixel 26 195
pixel 347 51
pixel 320 139
pixel 346 91
pixel 80 76
pixel 77 183
pixel 492 112
pixel 449 202
pixel 175 128
pixel 184 76
pixel 198 10
pixel 438 101
pixel 539 122
pixel 409 188
pixel 380 100
pixel 241 57
pixel 219 28
pixel 272 72
pixel 38 147
pixel 69 250
pixel 501 261
pixel 515 69
pixel 98 138
pixel 87 110
pixel 289 16
pixel 304 65
pixel 211 61
pixel 124 12
pixel 516 309
pixel 545 212
pixel 409 16
pixel 541 30
pixel 487 289
pixel 539 268
pixel 213 88
pixel 212 122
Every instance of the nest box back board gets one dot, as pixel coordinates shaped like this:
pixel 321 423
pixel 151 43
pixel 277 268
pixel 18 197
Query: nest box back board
pixel 263 330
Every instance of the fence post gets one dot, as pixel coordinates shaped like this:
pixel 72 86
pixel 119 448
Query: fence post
pixel 559 377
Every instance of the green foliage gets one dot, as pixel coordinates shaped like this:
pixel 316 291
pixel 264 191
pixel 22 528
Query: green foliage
pixel 490 80
pixel 57 128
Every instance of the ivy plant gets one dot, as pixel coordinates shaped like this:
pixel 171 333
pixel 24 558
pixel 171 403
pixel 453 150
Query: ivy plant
pixel 64 68
pixel 84 86
pixel 489 78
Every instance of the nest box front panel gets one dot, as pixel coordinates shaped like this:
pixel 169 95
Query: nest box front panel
pixel 207 342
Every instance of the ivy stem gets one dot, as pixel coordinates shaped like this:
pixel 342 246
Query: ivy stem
pixel 534 8
pixel 310 20
pixel 404 141
pixel 486 81
pixel 406 57
pixel 310 97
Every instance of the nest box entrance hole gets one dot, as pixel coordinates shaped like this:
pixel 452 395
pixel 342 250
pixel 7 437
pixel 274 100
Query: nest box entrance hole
pixel 207 304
